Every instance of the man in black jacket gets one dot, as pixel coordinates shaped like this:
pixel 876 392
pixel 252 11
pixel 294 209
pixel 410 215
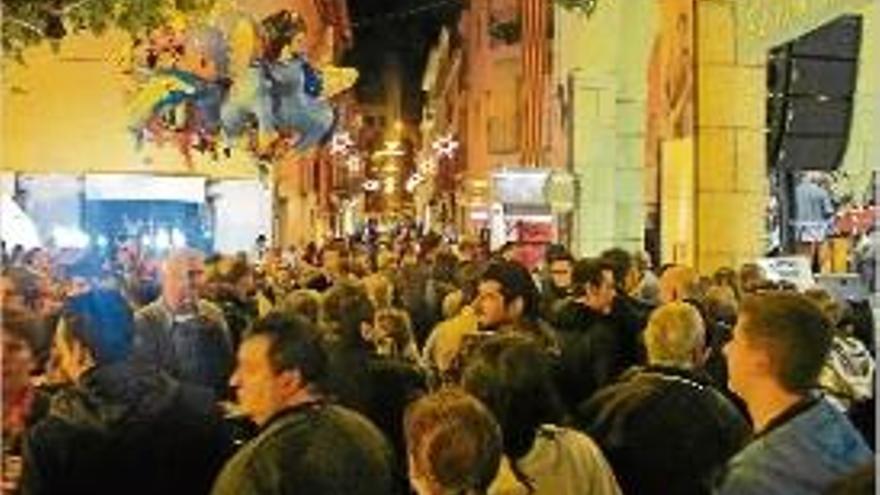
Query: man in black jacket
pixel 116 428
pixel 664 427
pixel 306 445
pixel 588 337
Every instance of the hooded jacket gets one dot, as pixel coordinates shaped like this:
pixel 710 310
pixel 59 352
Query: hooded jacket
pixel 125 430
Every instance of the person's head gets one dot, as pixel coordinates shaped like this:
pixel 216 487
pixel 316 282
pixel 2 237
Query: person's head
pixel 506 294
pixel 96 328
pixel 780 339
pixel 334 257
pixel 453 443
pixel 19 349
pixel 561 265
pixel 512 375
pixel 720 304
pixel 675 336
pixel 304 303
pixel 594 284
pixel 348 313
pixel 392 333
pixel 679 283
pixel 751 277
pixel 626 276
pixel 279 362
pixel 241 278
pixel 829 306
pixel 380 290
pixel 182 278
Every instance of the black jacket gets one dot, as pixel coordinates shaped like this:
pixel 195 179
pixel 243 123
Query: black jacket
pixel 590 358
pixel 664 430
pixel 313 448
pixel 125 430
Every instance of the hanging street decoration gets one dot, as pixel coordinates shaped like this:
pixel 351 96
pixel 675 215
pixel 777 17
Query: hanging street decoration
pixel 414 181
pixel 428 166
pixel 372 185
pixel 341 143
pixel 236 82
pixel 391 149
pixel 445 146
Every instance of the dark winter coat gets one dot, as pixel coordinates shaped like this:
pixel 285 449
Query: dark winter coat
pixel 314 448
pixel 664 430
pixel 125 430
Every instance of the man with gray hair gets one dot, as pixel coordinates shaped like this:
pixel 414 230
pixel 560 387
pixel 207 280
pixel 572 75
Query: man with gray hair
pixel 182 334
pixel 664 427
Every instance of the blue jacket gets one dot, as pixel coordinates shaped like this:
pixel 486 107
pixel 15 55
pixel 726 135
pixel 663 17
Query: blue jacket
pixel 804 453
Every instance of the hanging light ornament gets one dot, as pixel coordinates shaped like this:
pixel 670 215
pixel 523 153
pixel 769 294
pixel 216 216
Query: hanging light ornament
pixel 372 185
pixel 428 166
pixel 414 181
pixel 341 143
pixel 392 148
pixel 445 146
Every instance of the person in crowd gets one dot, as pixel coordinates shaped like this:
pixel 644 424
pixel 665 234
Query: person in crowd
pixel 444 343
pixel 114 427
pixel 305 303
pixel 335 261
pixel 664 427
pixel 629 314
pixel 358 377
pixel 508 373
pixel 680 283
pixel 23 403
pixel 508 302
pixel 589 338
pixel 306 444
pixel 180 332
pixel 718 308
pixel 392 335
pixel 802 443
pixel 453 444
pixel 726 277
pixel 556 285
pixel 647 289
pixel 236 297
pixel 750 278
pixel 380 289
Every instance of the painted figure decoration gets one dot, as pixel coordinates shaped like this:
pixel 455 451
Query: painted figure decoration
pixel 235 82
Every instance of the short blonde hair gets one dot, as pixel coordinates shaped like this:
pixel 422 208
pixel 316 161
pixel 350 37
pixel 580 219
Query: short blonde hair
pixel 674 331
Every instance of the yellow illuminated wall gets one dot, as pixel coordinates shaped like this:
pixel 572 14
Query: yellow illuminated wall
pixel 65 112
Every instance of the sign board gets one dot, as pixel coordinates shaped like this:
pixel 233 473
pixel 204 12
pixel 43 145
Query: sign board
pixel 520 186
pixel 794 269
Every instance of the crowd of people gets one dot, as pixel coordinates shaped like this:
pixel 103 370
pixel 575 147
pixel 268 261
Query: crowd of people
pixel 422 366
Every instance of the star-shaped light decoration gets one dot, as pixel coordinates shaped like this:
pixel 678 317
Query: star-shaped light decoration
pixel 340 143
pixel 390 185
pixel 428 166
pixel 413 182
pixel 372 185
pixel 392 148
pixel 445 146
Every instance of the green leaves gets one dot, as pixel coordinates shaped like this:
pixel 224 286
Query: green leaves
pixel 24 22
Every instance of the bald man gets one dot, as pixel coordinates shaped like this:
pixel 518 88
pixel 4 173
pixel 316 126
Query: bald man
pixel 182 334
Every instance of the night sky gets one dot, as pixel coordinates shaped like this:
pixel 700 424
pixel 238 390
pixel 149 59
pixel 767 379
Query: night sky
pixel 407 28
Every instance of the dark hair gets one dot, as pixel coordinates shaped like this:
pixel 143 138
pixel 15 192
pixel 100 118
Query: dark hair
pixel 295 344
pixel 794 331
pixel 512 375
pixel 346 306
pixel 454 440
pixel 589 271
pixel 619 261
pixel 103 322
pixel 515 282
pixel 557 252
